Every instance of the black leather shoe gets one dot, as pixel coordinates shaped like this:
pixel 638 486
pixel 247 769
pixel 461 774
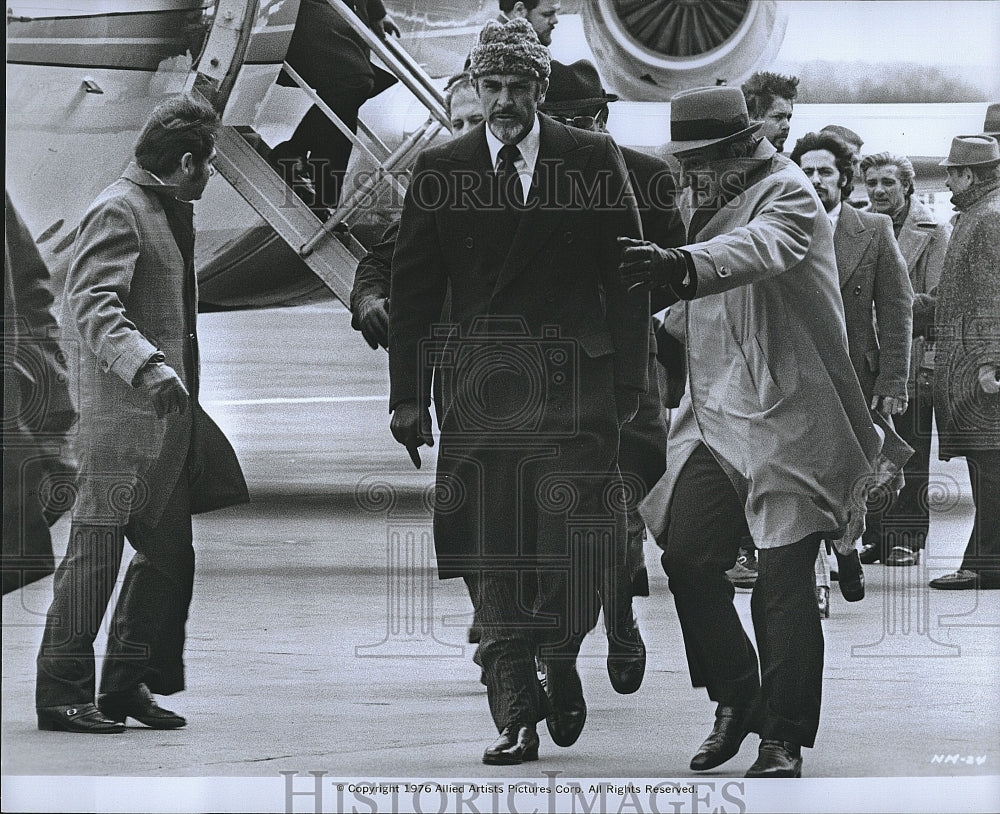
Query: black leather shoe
pixel 901 555
pixel 626 659
pixel 777 759
pixel 870 554
pixel 724 740
pixel 852 577
pixel 85 718
pixel 516 744
pixel 139 704
pixel 567 707
pixel 961 580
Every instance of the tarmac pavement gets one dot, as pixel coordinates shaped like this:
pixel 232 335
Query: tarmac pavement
pixel 320 640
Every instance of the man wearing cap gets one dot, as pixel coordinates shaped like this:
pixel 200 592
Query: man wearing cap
pixel 772 436
pixel 545 361
pixel 576 97
pixel 897 537
pixel 967 350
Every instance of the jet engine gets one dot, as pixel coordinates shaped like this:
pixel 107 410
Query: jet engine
pixel 648 50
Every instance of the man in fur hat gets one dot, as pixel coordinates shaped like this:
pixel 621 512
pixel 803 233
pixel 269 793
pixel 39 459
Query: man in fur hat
pixel 545 361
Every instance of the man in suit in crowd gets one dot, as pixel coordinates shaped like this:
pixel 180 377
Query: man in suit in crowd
pixel 854 143
pixel 876 294
pixel 546 360
pixel 901 534
pixel 149 456
pixel 771 391
pixel 576 98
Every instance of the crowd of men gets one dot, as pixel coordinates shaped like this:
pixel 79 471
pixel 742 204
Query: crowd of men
pixel 719 344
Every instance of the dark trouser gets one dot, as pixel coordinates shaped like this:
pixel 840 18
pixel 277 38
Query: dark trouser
pixel 549 612
pixel 907 520
pixel 642 456
pixel 27 545
pixel 982 554
pixel 706 523
pixel 328 149
pixel 146 637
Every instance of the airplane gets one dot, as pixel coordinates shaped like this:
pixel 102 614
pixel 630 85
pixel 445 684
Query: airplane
pixel 83 75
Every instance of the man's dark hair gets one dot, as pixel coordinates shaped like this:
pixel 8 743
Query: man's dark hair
pixel 827 140
pixel 507 6
pixel 848 135
pixel 761 89
pixel 184 124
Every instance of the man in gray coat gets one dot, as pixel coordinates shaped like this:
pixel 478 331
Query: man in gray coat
pixel 149 456
pixel 772 435
pixel 967 351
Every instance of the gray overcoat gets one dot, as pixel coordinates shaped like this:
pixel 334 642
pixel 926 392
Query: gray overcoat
pixel 967 326
pixel 129 295
pixel 771 389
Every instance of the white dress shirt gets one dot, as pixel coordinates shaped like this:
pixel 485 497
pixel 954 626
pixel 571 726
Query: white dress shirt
pixel 528 147
pixel 834 215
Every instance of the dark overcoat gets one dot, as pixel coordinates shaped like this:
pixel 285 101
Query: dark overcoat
pixel 130 295
pixel 967 327
pixel 543 335
pixel 878 301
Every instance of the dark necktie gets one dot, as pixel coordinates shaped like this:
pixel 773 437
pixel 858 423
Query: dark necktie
pixel 510 182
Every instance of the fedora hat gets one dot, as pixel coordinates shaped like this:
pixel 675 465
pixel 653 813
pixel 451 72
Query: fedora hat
pixel 991 127
pixel 574 87
pixel 972 151
pixel 700 117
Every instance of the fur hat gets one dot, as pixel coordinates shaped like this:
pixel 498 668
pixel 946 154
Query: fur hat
pixel 509 48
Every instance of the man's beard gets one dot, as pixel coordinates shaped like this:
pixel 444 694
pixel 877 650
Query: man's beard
pixel 509 131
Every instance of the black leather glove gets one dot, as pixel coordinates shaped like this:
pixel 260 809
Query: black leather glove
pixel 373 320
pixel 626 406
pixel 411 426
pixel 164 387
pixel 645 265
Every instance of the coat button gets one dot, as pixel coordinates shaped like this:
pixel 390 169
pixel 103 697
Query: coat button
pixel 723 271
pixel 568 237
pixel 857 289
pixel 469 243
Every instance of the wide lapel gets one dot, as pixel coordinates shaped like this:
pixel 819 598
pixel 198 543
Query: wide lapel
pixel 469 154
pixel 850 242
pixel 560 157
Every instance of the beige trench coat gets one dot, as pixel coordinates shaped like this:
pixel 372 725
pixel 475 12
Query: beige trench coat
pixel 771 390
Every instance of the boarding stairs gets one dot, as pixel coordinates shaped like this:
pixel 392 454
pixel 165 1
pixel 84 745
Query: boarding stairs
pixel 327 247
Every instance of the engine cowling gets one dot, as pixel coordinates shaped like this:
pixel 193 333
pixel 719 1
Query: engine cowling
pixel 650 49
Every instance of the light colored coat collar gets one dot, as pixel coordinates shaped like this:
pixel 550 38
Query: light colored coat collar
pixel 914 234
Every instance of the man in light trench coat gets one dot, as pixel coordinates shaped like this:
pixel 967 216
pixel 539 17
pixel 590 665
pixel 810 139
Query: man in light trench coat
pixel 149 456
pixel 772 435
